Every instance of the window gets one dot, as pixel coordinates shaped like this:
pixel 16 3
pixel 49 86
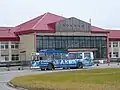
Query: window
pixel 110 54
pixel 79 56
pixel 115 54
pixel 6 57
pixel 109 44
pixel 87 55
pixel 72 55
pixel 115 44
pixel 75 55
pixel 73 42
pixel 14 46
pixel 15 57
pixel 4 45
pixel 76 43
pixel 57 56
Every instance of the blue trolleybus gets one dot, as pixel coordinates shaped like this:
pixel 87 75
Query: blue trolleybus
pixel 49 59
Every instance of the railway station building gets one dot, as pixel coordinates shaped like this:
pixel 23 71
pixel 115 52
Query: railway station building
pixel 50 31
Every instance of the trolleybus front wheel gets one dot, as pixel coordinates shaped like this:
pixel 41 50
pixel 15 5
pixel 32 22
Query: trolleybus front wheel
pixel 50 66
pixel 79 65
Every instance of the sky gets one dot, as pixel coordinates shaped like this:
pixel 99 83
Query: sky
pixel 103 13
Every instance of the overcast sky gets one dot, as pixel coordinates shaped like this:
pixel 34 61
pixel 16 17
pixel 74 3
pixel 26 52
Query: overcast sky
pixel 104 13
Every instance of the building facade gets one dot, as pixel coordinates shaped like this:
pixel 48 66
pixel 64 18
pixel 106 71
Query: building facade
pixel 115 49
pixel 9 45
pixel 50 31
pixel 83 42
pixel 114 44
pixel 9 50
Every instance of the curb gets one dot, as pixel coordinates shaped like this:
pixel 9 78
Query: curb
pixel 16 87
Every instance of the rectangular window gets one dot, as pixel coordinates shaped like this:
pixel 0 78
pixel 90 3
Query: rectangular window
pixel 51 37
pixel 87 55
pixel 58 37
pixel 115 44
pixel 44 43
pixel 76 38
pixel 6 57
pixel 110 54
pixel 40 43
pixel 75 56
pixel 4 45
pixel 69 44
pixel 115 54
pixel 58 44
pixel 109 44
pixel 14 46
pixel 15 57
pixel 76 44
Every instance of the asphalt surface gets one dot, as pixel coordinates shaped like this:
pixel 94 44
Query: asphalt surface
pixel 6 76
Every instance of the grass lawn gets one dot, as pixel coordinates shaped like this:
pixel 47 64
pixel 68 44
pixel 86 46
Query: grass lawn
pixel 96 79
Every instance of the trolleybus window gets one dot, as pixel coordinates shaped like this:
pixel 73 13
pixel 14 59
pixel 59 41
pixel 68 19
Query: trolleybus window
pixel 87 55
pixel 75 56
pixel 79 56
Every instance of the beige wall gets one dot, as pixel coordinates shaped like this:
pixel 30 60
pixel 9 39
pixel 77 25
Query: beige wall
pixel 16 51
pixel 5 52
pixel 27 44
pixel 74 33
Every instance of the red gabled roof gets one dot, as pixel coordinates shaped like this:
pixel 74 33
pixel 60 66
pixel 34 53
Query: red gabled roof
pixel 5 28
pixel 98 30
pixel 46 23
pixel 41 23
pixel 94 28
pixel 114 34
pixel 7 34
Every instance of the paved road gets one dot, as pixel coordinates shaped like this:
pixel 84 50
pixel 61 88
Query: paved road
pixel 6 76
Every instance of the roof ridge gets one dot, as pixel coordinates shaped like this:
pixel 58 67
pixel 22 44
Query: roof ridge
pixel 19 26
pixel 40 20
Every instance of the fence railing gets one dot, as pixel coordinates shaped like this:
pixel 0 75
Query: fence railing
pixel 14 63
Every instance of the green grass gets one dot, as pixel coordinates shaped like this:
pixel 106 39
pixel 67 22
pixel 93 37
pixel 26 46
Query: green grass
pixel 96 79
